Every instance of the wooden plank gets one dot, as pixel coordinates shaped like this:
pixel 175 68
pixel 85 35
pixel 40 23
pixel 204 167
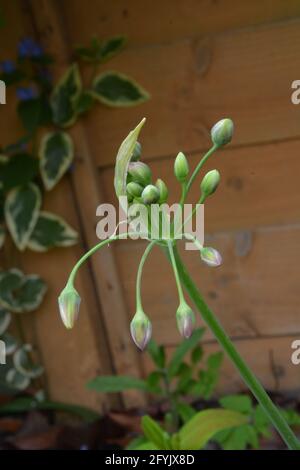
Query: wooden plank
pixel 88 196
pixel 169 20
pixel 246 75
pixel 254 293
pixel 269 359
pixel 259 186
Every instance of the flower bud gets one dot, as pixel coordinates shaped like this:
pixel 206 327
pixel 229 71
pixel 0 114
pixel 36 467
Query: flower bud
pixel 150 194
pixel 134 189
pixel 163 191
pixel 140 329
pixel 69 302
pixel 181 167
pixel 140 173
pixel 137 152
pixel 210 183
pixel 185 320
pixel 211 257
pixel 222 131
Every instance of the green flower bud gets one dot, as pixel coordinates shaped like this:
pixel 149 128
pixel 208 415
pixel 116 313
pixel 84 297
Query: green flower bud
pixel 140 173
pixel 210 183
pixel 163 191
pixel 181 167
pixel 150 194
pixel 137 152
pixel 140 329
pixel 69 303
pixel 134 189
pixel 211 257
pixel 222 131
pixel 185 319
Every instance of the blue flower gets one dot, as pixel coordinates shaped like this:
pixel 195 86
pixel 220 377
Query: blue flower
pixel 26 93
pixel 8 66
pixel 29 48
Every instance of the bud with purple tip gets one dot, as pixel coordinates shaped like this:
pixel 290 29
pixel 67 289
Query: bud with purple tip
pixel 140 329
pixel 140 173
pixel 211 257
pixel 69 303
pixel 150 194
pixel 185 319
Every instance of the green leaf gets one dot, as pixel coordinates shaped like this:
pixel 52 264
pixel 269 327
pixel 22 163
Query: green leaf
pixel 241 403
pixel 111 47
pixel 153 380
pixel 157 353
pixel 24 364
pixel 2 236
pixel 185 411
pixel 99 52
pixel 238 439
pixel 292 417
pixel 51 231
pixel 12 77
pixel 84 102
pixel 5 319
pixel 17 380
pixel 154 433
pixel 208 378
pixel 19 170
pixel 115 89
pixel 29 112
pixel 20 293
pixel 204 425
pixel 123 159
pixel 64 97
pixel 56 153
pixel 21 210
pixel 11 343
pixel 181 350
pixel 197 355
pixel 111 384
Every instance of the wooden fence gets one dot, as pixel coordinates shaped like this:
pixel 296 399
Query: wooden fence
pixel 201 61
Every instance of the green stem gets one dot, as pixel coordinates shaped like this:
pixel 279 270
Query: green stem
pixel 139 274
pixel 176 273
pixel 254 385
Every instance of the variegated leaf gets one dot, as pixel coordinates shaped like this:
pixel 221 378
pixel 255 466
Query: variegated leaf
pixel 51 231
pixel 11 343
pixel 17 380
pixel 5 319
pixel 24 364
pixel 56 154
pixel 115 89
pixel 64 97
pixel 21 210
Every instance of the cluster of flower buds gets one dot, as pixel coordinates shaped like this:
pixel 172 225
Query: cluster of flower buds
pixel 139 182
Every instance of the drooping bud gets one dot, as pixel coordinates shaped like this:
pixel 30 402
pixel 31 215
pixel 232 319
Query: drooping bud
pixel 185 319
pixel 150 194
pixel 140 173
pixel 163 191
pixel 181 167
pixel 222 131
pixel 210 183
pixel 69 303
pixel 211 257
pixel 134 189
pixel 137 152
pixel 140 329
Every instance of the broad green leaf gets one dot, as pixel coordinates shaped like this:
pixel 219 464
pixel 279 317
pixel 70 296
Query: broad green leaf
pixel 56 153
pixel 181 350
pixel 238 438
pixel 2 236
pixel 157 354
pixel 20 293
pixel 208 378
pixel 154 433
pixel 123 158
pixel 241 403
pixel 5 319
pixel 107 384
pixel 24 364
pixel 11 343
pixel 195 434
pixel 185 411
pixel 153 380
pixel 111 47
pixel 19 170
pixel 115 89
pixel 21 210
pixel 51 231
pixel 17 380
pixel 197 355
pixel 64 97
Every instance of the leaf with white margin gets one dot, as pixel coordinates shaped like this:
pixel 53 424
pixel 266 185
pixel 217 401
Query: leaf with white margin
pixel 117 90
pixel 51 231
pixel 17 380
pixel 11 343
pixel 56 154
pixel 5 319
pixel 64 97
pixel 24 364
pixel 20 293
pixel 21 211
